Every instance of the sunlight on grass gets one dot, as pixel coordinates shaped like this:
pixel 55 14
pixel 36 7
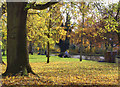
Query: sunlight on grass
pixel 43 58
pixel 67 71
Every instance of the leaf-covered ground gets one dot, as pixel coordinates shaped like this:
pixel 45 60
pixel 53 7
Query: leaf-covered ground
pixel 66 71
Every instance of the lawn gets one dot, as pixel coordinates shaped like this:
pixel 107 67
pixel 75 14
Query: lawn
pixel 66 71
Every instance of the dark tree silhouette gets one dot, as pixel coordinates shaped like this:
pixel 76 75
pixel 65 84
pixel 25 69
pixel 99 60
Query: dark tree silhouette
pixel 64 44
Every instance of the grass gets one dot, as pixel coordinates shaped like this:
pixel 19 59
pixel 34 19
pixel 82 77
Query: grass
pixel 42 58
pixel 66 71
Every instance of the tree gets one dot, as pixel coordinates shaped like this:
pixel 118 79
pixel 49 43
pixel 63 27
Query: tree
pixel 17 55
pixel 48 21
pixel 64 44
pixel 111 21
pixel 83 11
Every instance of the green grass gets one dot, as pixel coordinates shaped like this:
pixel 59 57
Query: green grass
pixel 69 71
pixel 54 59
pixel 42 58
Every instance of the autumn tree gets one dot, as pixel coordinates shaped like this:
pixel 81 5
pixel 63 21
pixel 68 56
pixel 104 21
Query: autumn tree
pixel 83 11
pixel 17 55
pixel 52 22
pixel 110 17
pixel 64 44
pixel 49 22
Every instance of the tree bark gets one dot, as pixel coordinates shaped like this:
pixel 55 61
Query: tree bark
pixel 48 43
pixel 81 45
pixel 17 54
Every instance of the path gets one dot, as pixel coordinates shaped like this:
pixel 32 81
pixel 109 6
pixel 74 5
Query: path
pixel 96 58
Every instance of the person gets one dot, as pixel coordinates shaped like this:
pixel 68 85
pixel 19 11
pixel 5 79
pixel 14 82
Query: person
pixel 66 54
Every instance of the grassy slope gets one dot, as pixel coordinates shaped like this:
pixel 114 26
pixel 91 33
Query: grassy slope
pixel 67 71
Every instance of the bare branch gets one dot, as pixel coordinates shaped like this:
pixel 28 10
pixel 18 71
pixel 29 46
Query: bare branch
pixel 118 11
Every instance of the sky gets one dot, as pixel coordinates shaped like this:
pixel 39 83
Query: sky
pixel 106 3
pixel 110 1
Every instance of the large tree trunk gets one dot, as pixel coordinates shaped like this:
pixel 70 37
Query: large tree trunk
pixel 17 55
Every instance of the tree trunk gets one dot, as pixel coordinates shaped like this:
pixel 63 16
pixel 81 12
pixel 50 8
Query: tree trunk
pixel 48 54
pixel 48 43
pixel 17 54
pixel 81 45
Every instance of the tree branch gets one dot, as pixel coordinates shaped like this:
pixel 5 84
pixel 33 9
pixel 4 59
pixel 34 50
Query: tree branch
pixel 111 14
pixel 43 6
pixel 118 11
pixel 99 8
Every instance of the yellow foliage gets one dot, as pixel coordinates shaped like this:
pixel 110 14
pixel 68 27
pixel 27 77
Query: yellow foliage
pixel 37 48
pixel 38 25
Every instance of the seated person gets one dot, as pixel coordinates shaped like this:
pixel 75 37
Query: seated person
pixel 66 54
